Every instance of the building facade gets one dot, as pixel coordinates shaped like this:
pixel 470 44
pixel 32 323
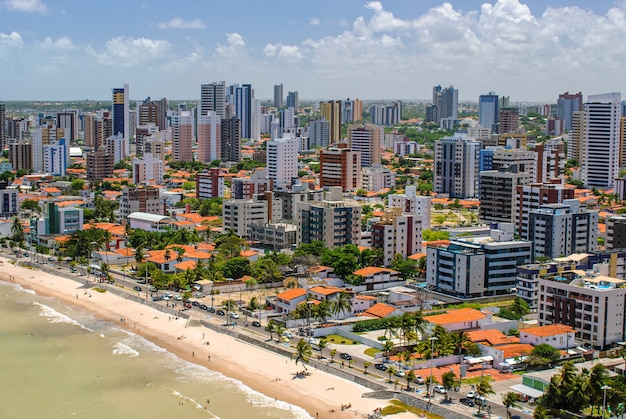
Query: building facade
pixel 456 166
pixel 340 167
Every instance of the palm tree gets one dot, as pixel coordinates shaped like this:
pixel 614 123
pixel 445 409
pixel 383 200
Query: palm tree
pixel 365 366
pixel 460 340
pixel 510 400
pixel 322 344
pixel 520 307
pixel 541 413
pixel 279 328
pixel 322 311
pixel 168 255
pixel 17 230
pixel 390 371
pixel 484 388
pixel 449 381
pixel 333 352
pixel 410 377
pixel 593 386
pixel 271 327
pixel 387 347
pixel 341 304
pixel 303 352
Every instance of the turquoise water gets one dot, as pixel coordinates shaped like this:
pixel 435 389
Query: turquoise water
pixel 59 361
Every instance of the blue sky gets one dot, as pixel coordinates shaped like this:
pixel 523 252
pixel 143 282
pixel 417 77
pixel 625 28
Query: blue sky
pixel 529 50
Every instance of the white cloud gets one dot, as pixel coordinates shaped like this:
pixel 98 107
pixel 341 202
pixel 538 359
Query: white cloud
pixel 13 39
pixel 128 52
pixel 26 6
pixel 178 23
pixel 62 43
pixel 314 21
pixel 284 52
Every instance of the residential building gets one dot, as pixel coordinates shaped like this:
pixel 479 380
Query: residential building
pixel 562 229
pixel 287 301
pixel 247 187
pixel 279 96
pixel 8 200
pixel 558 336
pixel 331 111
pixel 21 155
pixel 147 169
pixel 516 160
pixel 62 220
pixel 566 106
pixel 116 145
pixel 375 278
pixel 460 319
pixel 340 166
pixel 68 120
pixel 231 140
pixel 209 137
pixel 497 194
pixel 182 136
pixel 366 139
pixel 601 140
pixel 239 214
pixel 397 233
pixel 550 161
pixel 273 236
pixel 150 222
pixel 445 105
pixel 213 98
pixel 56 158
pixel 291 197
pixel 293 102
pixel 616 232
pixel 592 304
pixel 509 120
pixel 3 136
pixel 532 196
pixel 334 221
pixel 411 203
pixel 456 166
pixel 156 147
pixel 120 112
pixel 377 177
pixel 352 111
pixel 210 184
pixel 153 112
pixel 145 200
pixel 282 159
pixel 319 133
pixel 476 268
pixel 99 165
pixel 240 99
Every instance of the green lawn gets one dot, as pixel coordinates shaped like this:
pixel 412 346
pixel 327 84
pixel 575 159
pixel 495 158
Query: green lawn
pixel 340 340
pixel 397 406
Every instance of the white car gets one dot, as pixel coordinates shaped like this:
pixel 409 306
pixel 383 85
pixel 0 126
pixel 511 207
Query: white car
pixel 471 394
pixel 234 315
pixel 440 389
pixel 399 373
pixel 288 335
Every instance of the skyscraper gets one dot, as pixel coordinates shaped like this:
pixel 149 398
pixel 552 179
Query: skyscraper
pixel 282 159
pixel 293 102
pixel 120 113
pixel 318 133
pixel 182 137
pixel 509 119
pixel 600 148
pixel 278 96
pixel 366 139
pixel 566 105
pixel 213 98
pixel 488 110
pixel 231 139
pixel 456 166
pixel 240 99
pixel 3 132
pixel 209 137
pixel 445 104
pixel 68 120
pixel 331 111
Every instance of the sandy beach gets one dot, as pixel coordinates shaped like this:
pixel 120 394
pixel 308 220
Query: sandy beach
pixel 320 393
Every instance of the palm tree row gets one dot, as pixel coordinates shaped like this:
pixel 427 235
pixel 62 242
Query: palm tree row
pixel 447 343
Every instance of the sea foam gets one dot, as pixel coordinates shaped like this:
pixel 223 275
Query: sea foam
pixel 56 317
pixel 120 349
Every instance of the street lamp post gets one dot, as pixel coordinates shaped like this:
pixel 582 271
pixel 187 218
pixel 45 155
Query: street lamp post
pixel 432 350
pixel 604 388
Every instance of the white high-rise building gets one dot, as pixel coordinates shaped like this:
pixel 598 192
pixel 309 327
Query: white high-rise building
pixel 147 169
pixel 282 160
pixel 456 166
pixel 255 120
pixel 412 203
pixel 213 98
pixel 209 137
pixel 55 159
pixel 600 148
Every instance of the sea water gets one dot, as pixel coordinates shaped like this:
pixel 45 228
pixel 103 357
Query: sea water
pixel 60 361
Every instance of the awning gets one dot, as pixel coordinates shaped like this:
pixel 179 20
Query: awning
pixel 479 359
pixel 529 391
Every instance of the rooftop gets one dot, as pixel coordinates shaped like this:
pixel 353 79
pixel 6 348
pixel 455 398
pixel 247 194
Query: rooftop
pixel 456 316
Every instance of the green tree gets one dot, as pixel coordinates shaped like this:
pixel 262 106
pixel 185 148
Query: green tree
pixel 543 354
pixel 30 204
pixel 77 185
pixel 484 388
pixel 598 376
pixel 302 353
pixel 322 344
pixel 17 230
pixel 333 352
pixel 342 303
pixel 236 267
pixel 520 307
pixel 510 400
pixel 449 380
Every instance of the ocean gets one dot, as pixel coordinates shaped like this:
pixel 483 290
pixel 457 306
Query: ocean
pixel 59 361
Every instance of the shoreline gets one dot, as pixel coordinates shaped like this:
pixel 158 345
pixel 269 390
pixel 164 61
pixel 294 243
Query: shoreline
pixel 321 394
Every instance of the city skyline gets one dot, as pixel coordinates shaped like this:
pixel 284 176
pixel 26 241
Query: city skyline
pixel 527 50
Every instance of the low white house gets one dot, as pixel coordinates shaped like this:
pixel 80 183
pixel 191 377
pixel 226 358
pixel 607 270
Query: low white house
pixel 558 336
pixel 149 222
pixel 287 301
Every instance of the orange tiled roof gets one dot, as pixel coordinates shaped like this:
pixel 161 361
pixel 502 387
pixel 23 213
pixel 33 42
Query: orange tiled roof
pixel 493 337
pixel 548 330
pixel 188 264
pixel 248 253
pixel 456 316
pixel 515 349
pixel 125 251
pixel 373 270
pixel 380 310
pixel 319 268
pixel 326 290
pixel 291 294
pixel 417 256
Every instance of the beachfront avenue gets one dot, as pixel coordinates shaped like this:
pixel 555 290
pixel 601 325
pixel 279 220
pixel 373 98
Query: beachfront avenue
pixel 351 366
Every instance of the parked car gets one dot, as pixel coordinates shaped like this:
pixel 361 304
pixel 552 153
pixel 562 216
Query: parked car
pixel 220 313
pixel 345 356
pixel 202 307
pixel 439 389
pixel 256 324
pixel 471 394
pixel 399 373
pixel 211 310
pixel 466 401
pixel 381 367
pixel 288 335
pixel 234 315
pixel 137 288
pixel 419 379
pixel 195 304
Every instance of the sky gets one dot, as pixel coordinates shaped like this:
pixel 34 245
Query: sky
pixel 529 50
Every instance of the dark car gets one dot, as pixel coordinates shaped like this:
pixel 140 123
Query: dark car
pixel 345 356
pixel 467 401
pixel 202 306
pixel 211 310
pixel 256 324
pixel 195 304
pixel 137 288
pixel 381 367
pixel 220 313
pixel 158 298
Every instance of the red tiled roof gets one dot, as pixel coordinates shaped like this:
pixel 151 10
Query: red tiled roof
pixel 291 294
pixel 456 316
pixel 380 310
pixel 373 270
pixel 548 330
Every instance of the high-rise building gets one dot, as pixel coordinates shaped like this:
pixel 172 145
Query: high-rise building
pixel 509 120
pixel 145 199
pixel 278 96
pixel 247 187
pixel 213 98
pixel 68 119
pixel 397 233
pixel 182 137
pixel 21 155
pixel 156 147
pixel 153 112
pixel 340 167
pixel 331 111
pixel 576 137
pixel 56 157
pixel 99 165
pixel 282 160
pixel 318 133
pixel 3 131
pixel 600 149
pixel 231 140
pixel 497 194
pixel 352 111
pixel 8 200
pixel 566 105
pixel 210 184
pixel 239 98
pixel 366 139
pixel 445 104
pixel 148 169
pixel 334 221
pixel 532 196
pixel 293 102
pixel 456 166
pixel 209 137
pixel 412 203
pixel 121 112
pixel 550 160
pixel 517 160
pixel 488 111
